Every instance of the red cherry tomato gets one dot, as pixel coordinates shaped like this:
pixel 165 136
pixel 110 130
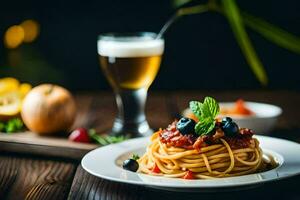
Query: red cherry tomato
pixel 80 135
pixel 188 175
pixel 156 169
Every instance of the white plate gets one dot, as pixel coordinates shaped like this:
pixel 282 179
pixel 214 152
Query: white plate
pixel 262 122
pixel 105 162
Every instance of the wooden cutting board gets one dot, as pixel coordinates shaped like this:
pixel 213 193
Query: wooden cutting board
pixel 30 143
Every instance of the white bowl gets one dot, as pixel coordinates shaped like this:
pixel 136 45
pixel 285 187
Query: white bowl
pixel 262 122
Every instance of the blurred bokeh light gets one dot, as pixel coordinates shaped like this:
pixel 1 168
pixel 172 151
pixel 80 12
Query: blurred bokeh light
pixel 27 31
pixel 31 30
pixel 14 36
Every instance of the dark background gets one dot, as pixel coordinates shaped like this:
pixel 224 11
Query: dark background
pixel 201 51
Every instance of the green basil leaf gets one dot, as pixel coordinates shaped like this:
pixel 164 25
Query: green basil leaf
pixel 195 107
pixel 205 126
pixel 210 105
pixel 206 113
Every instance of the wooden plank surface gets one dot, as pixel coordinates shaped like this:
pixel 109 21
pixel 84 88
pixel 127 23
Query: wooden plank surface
pixel 30 143
pixel 31 178
pixel 86 186
pixel 89 187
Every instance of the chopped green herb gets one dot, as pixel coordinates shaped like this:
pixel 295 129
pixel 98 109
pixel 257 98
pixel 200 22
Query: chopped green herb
pixel 206 112
pixel 195 107
pixel 2 126
pixel 135 157
pixel 105 139
pixel 12 125
pixel 205 126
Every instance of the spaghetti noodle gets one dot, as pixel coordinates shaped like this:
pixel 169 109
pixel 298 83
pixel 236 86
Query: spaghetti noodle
pixel 213 161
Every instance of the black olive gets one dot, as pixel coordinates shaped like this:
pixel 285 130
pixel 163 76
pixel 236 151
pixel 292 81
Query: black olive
pixel 230 129
pixel 186 126
pixel 226 119
pixel 131 165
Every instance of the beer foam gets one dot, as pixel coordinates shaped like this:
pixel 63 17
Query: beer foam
pixel 130 48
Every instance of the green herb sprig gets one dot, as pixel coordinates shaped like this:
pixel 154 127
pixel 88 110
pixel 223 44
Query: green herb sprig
pixel 206 112
pixel 135 156
pixel 12 126
pixel 105 139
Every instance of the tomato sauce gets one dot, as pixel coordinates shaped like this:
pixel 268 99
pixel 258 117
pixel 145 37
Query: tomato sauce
pixel 189 175
pixel 172 137
pixel 155 169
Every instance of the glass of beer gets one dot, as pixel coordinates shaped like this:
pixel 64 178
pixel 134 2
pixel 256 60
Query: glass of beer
pixel 130 62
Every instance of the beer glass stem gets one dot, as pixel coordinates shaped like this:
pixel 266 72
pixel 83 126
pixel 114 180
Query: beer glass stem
pixel 131 119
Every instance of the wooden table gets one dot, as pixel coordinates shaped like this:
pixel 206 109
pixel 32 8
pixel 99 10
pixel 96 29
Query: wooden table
pixel 25 176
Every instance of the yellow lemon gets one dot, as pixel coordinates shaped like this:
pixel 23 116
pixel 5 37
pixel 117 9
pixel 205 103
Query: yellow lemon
pixel 24 89
pixel 12 94
pixel 8 85
pixel 10 105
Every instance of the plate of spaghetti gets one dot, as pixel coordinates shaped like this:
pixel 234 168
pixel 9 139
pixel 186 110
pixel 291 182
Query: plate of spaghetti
pixel 189 155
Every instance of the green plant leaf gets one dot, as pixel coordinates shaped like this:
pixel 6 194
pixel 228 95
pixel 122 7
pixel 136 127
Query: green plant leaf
pixel 12 125
pixel 208 109
pixel 205 126
pixel 105 139
pixel 178 3
pixel 135 156
pixel 212 106
pixel 2 126
pixel 206 113
pixel 272 33
pixel 195 107
pixel 232 13
pixel 192 10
